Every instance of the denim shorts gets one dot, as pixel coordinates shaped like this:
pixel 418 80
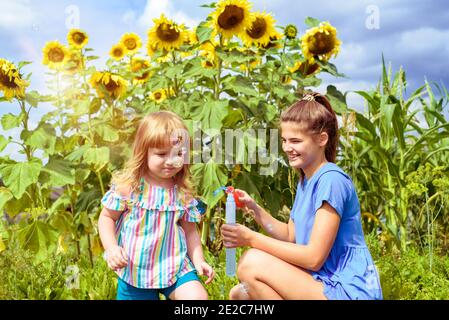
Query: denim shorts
pixel 126 291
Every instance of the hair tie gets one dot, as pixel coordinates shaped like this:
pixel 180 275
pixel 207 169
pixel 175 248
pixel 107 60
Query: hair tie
pixel 309 97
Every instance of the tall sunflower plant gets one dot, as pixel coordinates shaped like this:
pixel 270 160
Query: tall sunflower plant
pixel 236 70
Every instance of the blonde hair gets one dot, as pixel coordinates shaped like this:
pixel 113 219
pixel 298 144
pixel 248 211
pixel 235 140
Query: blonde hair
pixel 155 131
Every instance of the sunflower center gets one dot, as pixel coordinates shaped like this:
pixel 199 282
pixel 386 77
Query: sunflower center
pixel 167 32
pixel 157 95
pixel 137 66
pixel 56 55
pixel 231 17
pixel 73 64
pixel 130 44
pixel 322 43
pixel 307 69
pixel 7 81
pixel 118 52
pixel 144 76
pixel 78 37
pixel 111 86
pixel 258 28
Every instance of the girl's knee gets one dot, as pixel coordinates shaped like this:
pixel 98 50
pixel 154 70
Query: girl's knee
pixel 239 292
pixel 199 294
pixel 249 262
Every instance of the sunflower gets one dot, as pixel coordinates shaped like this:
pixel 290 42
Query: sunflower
pixel 118 51
pixel 208 64
pixel 140 66
pixel 193 38
pixel 231 17
pixel 74 63
pixel 11 82
pixel 159 95
pixel 320 42
pixel 55 55
pixel 207 50
pixel 166 34
pixel 132 43
pixel 305 68
pixel 253 63
pixel 77 38
pixel 286 79
pixel 290 31
pixel 106 82
pixel 274 41
pixel 261 30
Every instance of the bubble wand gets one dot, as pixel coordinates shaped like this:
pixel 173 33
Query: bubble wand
pixel 232 203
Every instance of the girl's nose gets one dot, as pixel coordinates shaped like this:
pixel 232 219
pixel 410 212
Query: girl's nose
pixel 286 148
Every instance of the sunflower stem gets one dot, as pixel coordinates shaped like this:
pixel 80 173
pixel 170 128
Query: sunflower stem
pixel 219 68
pixel 28 150
pixel 58 101
pixel 175 80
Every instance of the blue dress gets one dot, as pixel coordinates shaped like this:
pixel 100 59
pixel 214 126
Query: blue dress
pixel 349 271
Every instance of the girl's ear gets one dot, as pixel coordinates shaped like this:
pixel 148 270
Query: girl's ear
pixel 323 139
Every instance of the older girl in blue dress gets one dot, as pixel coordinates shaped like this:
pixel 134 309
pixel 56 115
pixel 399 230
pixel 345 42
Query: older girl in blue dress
pixel 321 252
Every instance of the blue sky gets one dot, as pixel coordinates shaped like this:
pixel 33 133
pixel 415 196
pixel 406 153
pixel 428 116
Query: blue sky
pixel 410 33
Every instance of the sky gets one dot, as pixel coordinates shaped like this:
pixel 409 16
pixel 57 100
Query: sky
pixel 413 34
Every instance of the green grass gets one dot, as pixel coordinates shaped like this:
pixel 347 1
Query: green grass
pixel 403 276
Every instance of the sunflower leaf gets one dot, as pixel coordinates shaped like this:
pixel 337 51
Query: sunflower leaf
pixel 10 121
pixel 19 176
pixel 23 63
pixel 210 5
pixel 203 32
pixel 312 22
pixel 5 196
pixel 43 138
pixel 209 177
pixel 32 98
pixel 59 172
pixel 3 143
pixel 98 157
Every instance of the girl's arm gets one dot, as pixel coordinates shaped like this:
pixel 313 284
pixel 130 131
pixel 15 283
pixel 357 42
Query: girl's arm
pixel 195 249
pixel 116 256
pixel 311 256
pixel 273 227
pixel 106 227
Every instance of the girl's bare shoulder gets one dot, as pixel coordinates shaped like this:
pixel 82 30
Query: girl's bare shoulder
pixel 124 190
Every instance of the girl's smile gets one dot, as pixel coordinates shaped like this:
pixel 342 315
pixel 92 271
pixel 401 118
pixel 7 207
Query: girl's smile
pixel 304 151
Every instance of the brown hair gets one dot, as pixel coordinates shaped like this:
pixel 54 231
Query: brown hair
pixel 315 115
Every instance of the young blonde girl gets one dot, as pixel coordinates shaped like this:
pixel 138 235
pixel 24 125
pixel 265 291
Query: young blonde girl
pixel 148 223
pixel 321 252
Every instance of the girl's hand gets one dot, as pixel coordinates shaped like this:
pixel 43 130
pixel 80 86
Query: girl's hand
pixel 116 257
pixel 203 268
pixel 245 200
pixel 236 235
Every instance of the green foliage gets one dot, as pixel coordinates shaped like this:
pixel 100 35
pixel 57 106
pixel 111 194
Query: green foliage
pixel 407 275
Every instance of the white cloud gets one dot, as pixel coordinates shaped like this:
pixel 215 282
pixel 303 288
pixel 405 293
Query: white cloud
pixel 16 14
pixel 129 17
pixel 154 8
pixel 424 40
